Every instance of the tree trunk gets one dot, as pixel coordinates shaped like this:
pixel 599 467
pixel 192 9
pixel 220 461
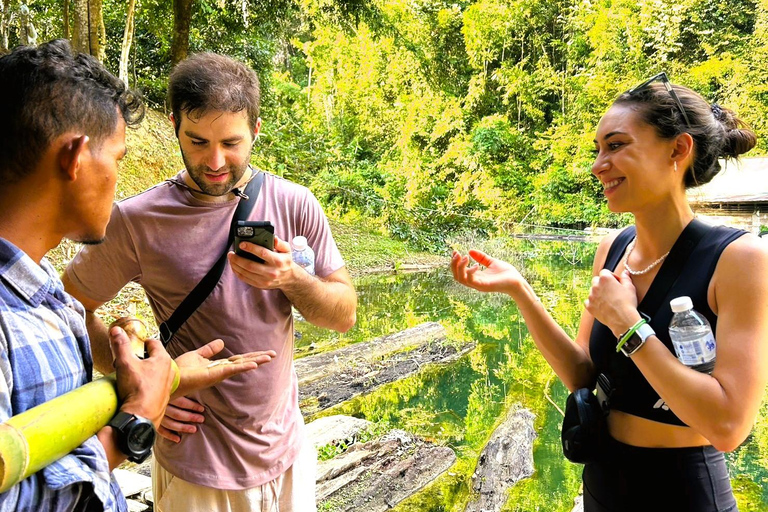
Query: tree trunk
pixel 182 12
pixel 125 50
pixel 5 22
pixel 87 27
pixel 27 31
pixel 96 30
pixel 66 19
pixel 80 39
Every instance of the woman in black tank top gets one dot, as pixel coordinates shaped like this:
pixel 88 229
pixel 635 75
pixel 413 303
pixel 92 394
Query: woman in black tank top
pixel 669 424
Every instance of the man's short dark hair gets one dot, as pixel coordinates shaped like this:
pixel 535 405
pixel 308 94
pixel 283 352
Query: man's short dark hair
pixel 208 82
pixel 49 90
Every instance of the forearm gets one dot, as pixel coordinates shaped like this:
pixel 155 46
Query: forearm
pixel 107 438
pixel 325 303
pixel 99 337
pixel 569 361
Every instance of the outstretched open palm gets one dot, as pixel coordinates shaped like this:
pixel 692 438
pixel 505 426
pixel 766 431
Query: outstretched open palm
pixel 198 371
pixel 487 275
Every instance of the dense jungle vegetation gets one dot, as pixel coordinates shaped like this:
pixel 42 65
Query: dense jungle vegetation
pixel 427 118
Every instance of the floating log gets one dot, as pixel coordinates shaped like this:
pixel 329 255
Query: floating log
pixel 335 430
pixel 379 474
pixel 506 459
pixel 311 368
pixel 361 368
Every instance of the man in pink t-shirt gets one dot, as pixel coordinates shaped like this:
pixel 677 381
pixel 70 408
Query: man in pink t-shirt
pixel 238 445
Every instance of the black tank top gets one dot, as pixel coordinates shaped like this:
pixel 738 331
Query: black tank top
pixel 632 392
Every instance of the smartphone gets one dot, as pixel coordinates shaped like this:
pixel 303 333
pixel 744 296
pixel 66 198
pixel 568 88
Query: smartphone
pixel 259 232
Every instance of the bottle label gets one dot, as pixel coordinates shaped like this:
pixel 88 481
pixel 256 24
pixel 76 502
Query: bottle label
pixel 696 351
pixel 304 259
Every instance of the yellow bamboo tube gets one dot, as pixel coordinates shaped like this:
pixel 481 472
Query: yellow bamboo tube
pixel 35 438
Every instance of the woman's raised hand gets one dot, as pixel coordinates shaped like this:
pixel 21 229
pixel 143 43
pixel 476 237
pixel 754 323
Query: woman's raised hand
pixel 613 301
pixel 487 275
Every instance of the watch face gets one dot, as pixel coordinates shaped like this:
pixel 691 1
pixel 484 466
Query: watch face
pixel 141 437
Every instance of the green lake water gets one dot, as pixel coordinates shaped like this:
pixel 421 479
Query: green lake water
pixel 460 404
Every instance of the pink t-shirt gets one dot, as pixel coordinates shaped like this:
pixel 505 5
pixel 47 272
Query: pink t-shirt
pixel 166 240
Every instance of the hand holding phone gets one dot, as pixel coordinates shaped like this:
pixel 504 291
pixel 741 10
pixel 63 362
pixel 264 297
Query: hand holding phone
pixel 257 232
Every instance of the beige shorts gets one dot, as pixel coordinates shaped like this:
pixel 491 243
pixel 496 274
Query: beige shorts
pixel 293 491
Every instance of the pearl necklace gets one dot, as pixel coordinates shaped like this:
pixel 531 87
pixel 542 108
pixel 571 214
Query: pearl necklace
pixel 646 269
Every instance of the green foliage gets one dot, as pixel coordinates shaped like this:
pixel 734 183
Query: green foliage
pixel 335 448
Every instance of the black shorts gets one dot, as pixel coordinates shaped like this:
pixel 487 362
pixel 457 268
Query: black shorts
pixel 658 480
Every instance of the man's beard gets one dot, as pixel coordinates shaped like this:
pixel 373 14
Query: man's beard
pixel 87 239
pixel 215 189
pixel 91 241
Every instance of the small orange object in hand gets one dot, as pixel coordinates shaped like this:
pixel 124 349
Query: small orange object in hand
pixel 136 331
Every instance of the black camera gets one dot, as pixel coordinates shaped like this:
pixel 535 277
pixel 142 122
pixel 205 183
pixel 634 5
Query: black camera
pixel 256 232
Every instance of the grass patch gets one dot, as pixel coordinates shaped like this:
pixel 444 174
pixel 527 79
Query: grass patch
pixel 153 155
pixel 366 250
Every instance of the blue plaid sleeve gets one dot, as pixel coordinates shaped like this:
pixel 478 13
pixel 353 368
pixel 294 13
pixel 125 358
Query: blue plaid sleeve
pixel 44 353
pixel 66 484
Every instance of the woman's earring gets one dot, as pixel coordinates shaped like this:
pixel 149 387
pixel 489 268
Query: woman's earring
pixel 675 166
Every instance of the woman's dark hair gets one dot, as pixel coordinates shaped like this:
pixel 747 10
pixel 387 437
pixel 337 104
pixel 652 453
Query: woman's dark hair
pixel 210 82
pixel 49 90
pixel 716 131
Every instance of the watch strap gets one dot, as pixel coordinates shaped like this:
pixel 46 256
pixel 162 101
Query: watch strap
pixel 637 339
pixel 120 420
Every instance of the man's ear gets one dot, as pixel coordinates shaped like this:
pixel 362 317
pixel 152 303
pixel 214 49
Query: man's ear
pixel 71 155
pixel 173 123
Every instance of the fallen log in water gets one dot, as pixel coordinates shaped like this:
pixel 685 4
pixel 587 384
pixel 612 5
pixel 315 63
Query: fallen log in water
pixel 336 430
pixel 377 475
pixel 311 368
pixel 506 459
pixel 360 368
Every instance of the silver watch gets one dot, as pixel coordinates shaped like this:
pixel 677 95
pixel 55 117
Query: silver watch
pixel 637 339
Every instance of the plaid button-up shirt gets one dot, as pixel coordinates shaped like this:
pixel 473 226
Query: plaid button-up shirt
pixel 44 353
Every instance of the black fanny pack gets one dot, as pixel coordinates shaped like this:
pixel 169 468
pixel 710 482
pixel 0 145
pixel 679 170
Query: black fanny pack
pixel 585 431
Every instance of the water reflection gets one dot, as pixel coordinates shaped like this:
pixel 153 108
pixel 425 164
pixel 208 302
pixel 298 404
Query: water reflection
pixel 459 405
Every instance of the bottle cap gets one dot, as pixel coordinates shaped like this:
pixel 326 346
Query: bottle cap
pixel 681 304
pixel 299 243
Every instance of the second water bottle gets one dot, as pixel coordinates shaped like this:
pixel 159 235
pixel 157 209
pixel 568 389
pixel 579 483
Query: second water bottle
pixel 303 254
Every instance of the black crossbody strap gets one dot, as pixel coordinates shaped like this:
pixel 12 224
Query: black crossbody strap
pixel 206 285
pixel 673 266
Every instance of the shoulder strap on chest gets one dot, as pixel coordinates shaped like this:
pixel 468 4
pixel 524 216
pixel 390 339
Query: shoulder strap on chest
pixel 618 247
pixel 206 285
pixel 673 265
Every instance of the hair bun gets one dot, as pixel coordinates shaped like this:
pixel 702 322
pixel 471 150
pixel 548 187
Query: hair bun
pixel 738 141
pixel 739 138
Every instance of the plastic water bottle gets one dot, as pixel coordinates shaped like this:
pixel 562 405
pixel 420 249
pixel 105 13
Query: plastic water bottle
pixel 303 254
pixel 691 336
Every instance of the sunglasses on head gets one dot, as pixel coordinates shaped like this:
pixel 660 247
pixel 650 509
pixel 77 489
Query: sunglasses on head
pixel 662 77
